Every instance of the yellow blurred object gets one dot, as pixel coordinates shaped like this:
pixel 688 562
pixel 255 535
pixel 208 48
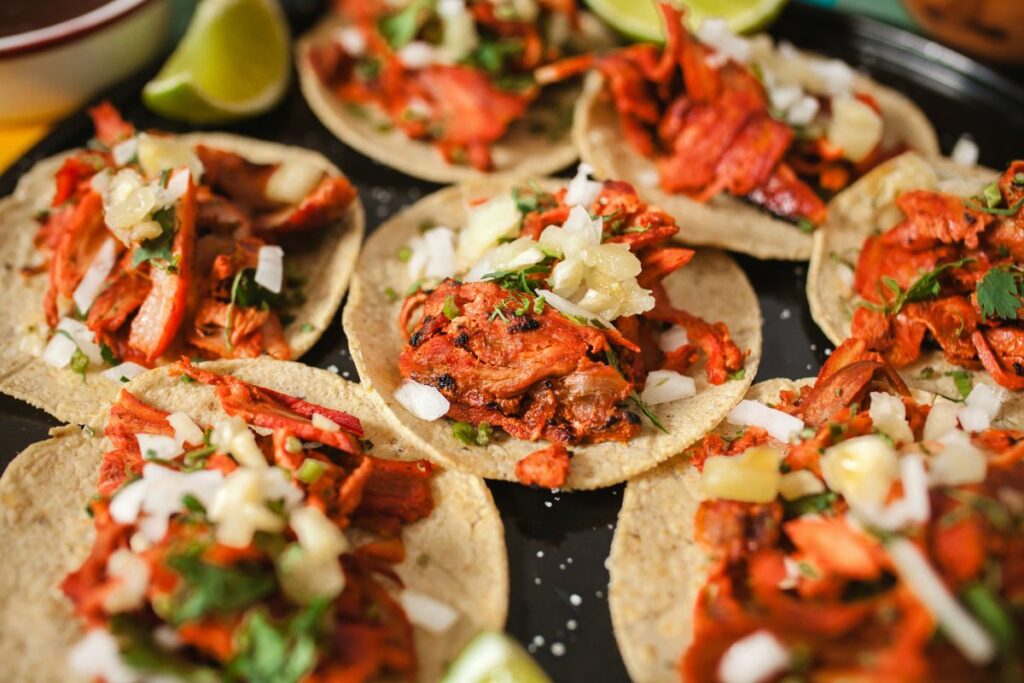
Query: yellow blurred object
pixel 16 140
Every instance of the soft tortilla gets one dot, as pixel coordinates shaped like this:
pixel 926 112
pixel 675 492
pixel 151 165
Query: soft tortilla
pixel 326 263
pixel 725 221
pixel 520 152
pixel 711 286
pixel 45 533
pixel 656 566
pixel 867 207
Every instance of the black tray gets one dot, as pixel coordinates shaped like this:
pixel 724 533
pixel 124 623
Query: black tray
pixel 557 544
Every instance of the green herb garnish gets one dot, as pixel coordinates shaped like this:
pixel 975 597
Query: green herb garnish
pixel 450 309
pixel 998 295
pixel 646 410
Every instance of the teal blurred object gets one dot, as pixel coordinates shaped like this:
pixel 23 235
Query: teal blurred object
pixel 181 12
pixel 889 11
pixel 300 14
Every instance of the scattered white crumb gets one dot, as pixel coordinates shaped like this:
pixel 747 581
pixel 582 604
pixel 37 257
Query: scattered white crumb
pixel 540 553
pixel 538 640
pixel 547 503
pixel 785 314
pixel 571 624
pixel 557 649
pixel 332 368
pixel 575 600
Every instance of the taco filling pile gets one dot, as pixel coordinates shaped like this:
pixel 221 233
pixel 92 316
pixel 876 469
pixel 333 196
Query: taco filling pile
pixel 260 548
pixel 456 73
pixel 719 113
pixel 855 533
pixel 563 332
pixel 949 272
pixel 154 247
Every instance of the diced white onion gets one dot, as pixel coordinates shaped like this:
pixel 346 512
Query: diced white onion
pixel 351 39
pixel 569 308
pixel 423 401
pixel 913 508
pixel 582 191
pixel 100 181
pixel 158 446
pixel 785 96
pixel 185 430
pixel 292 181
pixel 889 416
pixel 753 659
pixel 97 656
pixel 324 423
pixel 270 268
pixel 92 282
pixel 59 350
pixel 151 500
pixel 132 575
pixel 417 55
pixel 803 111
pixel 664 386
pixel 965 151
pixel 124 372
pixel 835 76
pixel 715 33
pixel 83 337
pixel 778 424
pixel 240 505
pixel 982 405
pixel 942 418
pixel 957 623
pixel 959 462
pixel 232 436
pixel 433 255
pixel 673 338
pixel 124 151
pixel 427 612
pixel 176 188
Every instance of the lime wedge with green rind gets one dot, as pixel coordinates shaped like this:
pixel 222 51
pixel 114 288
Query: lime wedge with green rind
pixel 641 20
pixel 234 61
pixel 494 658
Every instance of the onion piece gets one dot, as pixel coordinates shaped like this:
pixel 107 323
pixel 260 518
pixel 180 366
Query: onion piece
pixel 583 191
pixel 131 574
pixel 292 181
pixel 664 386
pixel 124 151
pixel 427 612
pixel 965 151
pixel 92 282
pixel 98 656
pixel 325 423
pixel 417 55
pixel 158 446
pixel 124 372
pixel 569 308
pixel 270 268
pixel 957 623
pixel 753 659
pixel 83 338
pixel 942 418
pixel 176 188
pixel 422 400
pixel 959 462
pixel 59 350
pixel 982 405
pixel 185 430
pixel 673 338
pixel 351 40
pixel 780 425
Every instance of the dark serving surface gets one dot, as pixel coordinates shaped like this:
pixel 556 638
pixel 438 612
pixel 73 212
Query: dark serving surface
pixel 558 543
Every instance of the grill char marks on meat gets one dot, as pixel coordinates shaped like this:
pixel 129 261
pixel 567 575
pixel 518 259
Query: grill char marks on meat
pixel 532 375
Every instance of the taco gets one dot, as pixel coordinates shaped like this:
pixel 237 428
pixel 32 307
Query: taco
pixel 538 312
pixel 921 260
pixel 743 140
pixel 832 529
pixel 350 559
pixel 445 91
pixel 143 247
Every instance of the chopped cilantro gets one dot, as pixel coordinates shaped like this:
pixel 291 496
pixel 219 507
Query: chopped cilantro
pixel 531 197
pixel 306 327
pixel 414 287
pixel 192 504
pixel 926 286
pixel 401 27
pixel 450 309
pixel 805 225
pixel 285 653
pixel 646 410
pixel 158 249
pixel 109 357
pixel 310 471
pixel 962 380
pixel 404 254
pixel 738 375
pixel 999 295
pixel 1010 211
pixel 390 294
pixel 992 196
pixel 208 588
pixel 817 503
pixel 79 363
pixel 927 373
pixel 469 435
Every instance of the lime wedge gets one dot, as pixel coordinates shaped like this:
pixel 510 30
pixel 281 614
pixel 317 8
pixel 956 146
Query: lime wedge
pixel 234 61
pixel 494 658
pixel 641 20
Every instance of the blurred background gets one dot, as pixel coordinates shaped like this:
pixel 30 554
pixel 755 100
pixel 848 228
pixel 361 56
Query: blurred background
pixel 48 71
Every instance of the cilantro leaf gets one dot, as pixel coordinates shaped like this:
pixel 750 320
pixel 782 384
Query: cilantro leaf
pixel 926 286
pixel 963 382
pixel 140 652
pixel 401 27
pixel 998 295
pixel 270 653
pixel 158 248
pixel 208 588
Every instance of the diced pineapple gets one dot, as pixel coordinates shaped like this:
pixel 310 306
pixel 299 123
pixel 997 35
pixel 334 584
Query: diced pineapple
pixel 158 153
pixel 751 477
pixel 855 128
pixel 861 469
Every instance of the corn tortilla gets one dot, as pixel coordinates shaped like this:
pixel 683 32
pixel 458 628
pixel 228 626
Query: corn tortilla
pixel 522 150
pixel 45 533
pixel 325 262
pixel 711 286
pixel 867 207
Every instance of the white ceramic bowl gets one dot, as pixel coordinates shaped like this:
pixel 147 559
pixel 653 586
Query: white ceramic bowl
pixel 49 72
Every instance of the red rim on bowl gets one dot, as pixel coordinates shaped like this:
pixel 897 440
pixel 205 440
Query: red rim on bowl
pixel 67 30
